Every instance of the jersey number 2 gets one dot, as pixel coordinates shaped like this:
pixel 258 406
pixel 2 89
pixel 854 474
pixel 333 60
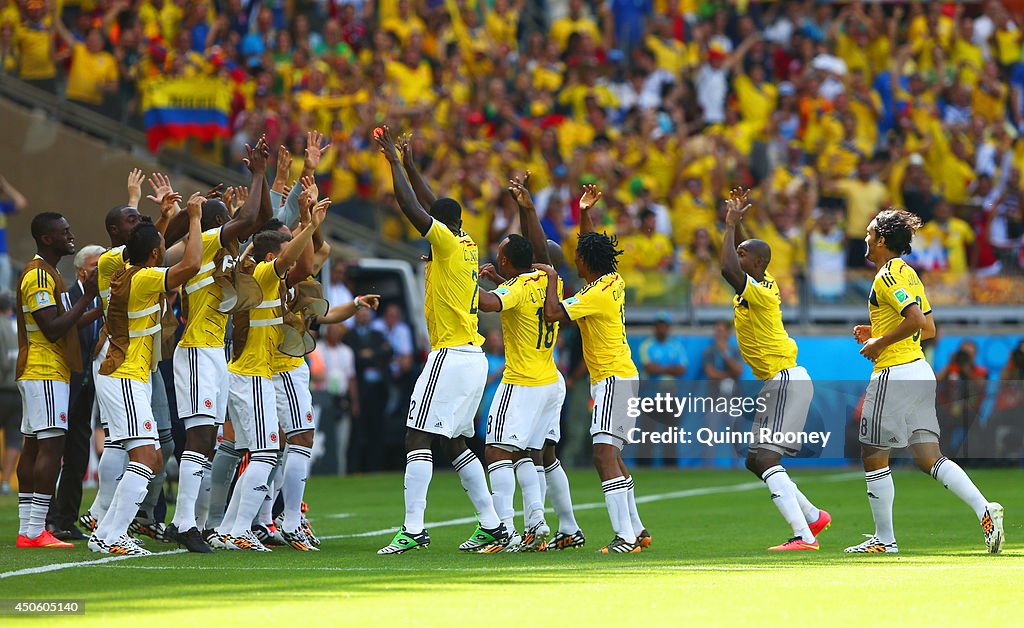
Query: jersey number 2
pixel 476 291
pixel 917 334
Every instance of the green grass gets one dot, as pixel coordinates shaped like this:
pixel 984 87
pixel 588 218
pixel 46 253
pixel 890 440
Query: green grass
pixel 708 563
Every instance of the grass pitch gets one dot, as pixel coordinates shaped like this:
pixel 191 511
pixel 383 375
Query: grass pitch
pixel 708 563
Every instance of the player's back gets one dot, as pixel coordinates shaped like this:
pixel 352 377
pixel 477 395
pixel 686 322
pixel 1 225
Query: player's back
pixel 600 309
pixel 529 340
pixel 895 288
pixel 760 333
pixel 450 302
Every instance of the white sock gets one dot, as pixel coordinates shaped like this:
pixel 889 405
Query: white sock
pixel 191 473
pixel 222 469
pixel 131 490
pixel 784 496
pixel 265 515
pixel 252 490
pixel 811 512
pixel 533 507
pixel 419 467
pixel 953 477
pixel 471 472
pixel 113 461
pixel 296 471
pixel 561 499
pixel 503 488
pixel 542 482
pixel 24 512
pixel 881 495
pixel 617 501
pixel 37 514
pixel 148 506
pixel 203 499
pixel 634 514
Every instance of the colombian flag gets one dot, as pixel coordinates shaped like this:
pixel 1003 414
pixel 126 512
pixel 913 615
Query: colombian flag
pixel 179 108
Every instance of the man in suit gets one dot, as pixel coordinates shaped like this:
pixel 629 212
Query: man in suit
pixel 63 514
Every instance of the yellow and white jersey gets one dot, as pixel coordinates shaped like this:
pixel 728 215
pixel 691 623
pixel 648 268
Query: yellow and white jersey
pixel 600 309
pixel 764 343
pixel 265 321
pixel 205 325
pixel 110 261
pixel 451 289
pixel 45 358
pixel 529 341
pixel 144 313
pixel 895 288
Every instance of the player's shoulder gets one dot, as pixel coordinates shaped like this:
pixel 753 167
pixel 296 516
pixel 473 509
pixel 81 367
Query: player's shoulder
pixel 896 272
pixel 603 284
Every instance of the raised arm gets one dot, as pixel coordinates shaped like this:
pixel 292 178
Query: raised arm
pixel 423 192
pixel 192 258
pixel 528 220
pixel 20 203
pixel 736 207
pixel 553 310
pixel 173 224
pixel 591 195
pixel 135 179
pixel 247 219
pixel 347 310
pixel 293 249
pixel 407 200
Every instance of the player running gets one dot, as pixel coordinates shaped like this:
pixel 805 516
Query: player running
pixel 600 309
pixel 901 318
pixel 48 352
pixel 448 391
pixel 771 354
pixel 200 364
pixel 134 332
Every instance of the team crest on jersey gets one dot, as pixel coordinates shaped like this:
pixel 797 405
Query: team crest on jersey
pixel 63 418
pixel 309 417
pixel 208 404
pixel 273 438
pixel 147 425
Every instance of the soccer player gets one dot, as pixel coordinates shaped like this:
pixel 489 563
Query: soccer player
pixel 200 364
pixel 448 391
pixel 251 398
pixel 899 406
pixel 771 354
pixel 48 351
pixel 119 223
pixel 600 309
pixel 133 325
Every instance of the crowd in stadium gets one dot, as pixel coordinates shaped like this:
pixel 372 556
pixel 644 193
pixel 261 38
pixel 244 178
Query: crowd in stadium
pixel 829 111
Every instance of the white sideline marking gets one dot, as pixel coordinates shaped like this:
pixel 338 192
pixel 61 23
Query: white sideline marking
pixel 644 499
pixel 58 566
pixel 693 492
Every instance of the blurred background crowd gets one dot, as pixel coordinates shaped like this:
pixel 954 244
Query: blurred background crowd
pixel 829 111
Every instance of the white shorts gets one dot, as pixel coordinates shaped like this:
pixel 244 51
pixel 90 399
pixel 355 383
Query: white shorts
pixel 294 401
pixel 899 407
pixel 787 398
pixel 44 405
pixel 611 422
pixel 554 419
pixel 253 410
pixel 201 384
pixel 520 416
pixel 97 361
pixel 161 404
pixel 448 392
pixel 127 405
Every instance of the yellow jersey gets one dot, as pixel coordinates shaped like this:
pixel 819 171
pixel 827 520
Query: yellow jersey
pixel 205 325
pixel 896 287
pixel 144 313
pixel 600 309
pixel 764 343
pixel 529 341
pixel 451 290
pixel 264 326
pixel 45 359
pixel 111 261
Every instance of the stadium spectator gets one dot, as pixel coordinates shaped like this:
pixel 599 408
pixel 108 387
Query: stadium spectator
pixel 721 360
pixel 11 202
pixel 373 358
pixel 335 392
pixel 662 356
pixel 960 394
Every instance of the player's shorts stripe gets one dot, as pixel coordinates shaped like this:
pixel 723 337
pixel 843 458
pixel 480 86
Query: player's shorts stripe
pixel 193 366
pixel 257 407
pixel 780 408
pixel 499 418
pixel 876 419
pixel 428 392
pixel 293 400
pixel 129 409
pixel 606 411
